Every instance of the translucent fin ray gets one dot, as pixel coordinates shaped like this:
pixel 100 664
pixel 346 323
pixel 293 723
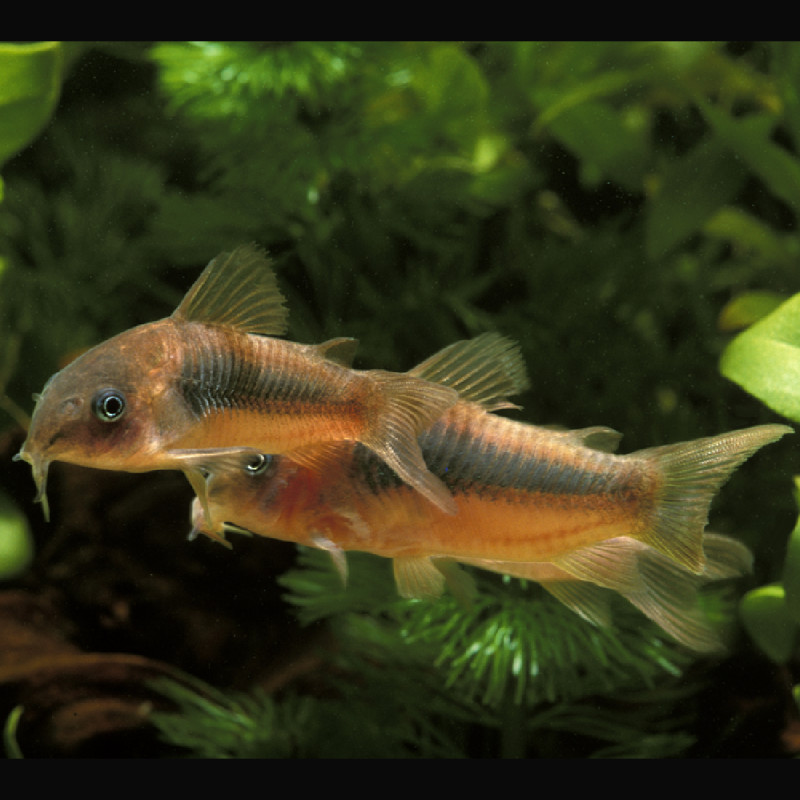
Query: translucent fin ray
pixel 485 370
pixel 237 290
pixel 690 473
pixel 410 405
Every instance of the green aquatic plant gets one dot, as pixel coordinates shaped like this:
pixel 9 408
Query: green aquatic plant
pixel 10 744
pixel 419 678
pixel 213 724
pixel 507 644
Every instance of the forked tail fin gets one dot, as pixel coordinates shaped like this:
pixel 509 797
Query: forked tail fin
pixel 688 476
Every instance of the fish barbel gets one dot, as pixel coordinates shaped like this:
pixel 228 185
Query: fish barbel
pixel 556 507
pixel 212 376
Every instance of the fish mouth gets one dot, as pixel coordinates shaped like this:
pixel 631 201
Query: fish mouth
pixel 39 467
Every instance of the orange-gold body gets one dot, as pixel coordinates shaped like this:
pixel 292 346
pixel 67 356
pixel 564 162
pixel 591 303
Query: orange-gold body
pixel 552 506
pixel 212 377
pixel 523 493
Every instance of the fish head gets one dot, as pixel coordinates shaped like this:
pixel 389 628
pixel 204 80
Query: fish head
pixel 246 480
pixel 248 490
pixel 99 410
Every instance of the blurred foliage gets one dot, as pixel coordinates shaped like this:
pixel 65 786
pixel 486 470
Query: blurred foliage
pixel 765 360
pixel 29 90
pixel 16 542
pixel 619 208
pixel 409 678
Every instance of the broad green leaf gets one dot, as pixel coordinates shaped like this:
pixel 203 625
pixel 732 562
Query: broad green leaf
pixel 750 139
pixel 30 83
pixel 765 359
pixel 766 618
pixel 695 187
pixel 748 308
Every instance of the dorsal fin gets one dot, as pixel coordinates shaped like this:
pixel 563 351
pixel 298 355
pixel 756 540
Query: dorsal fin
pixel 484 370
pixel 238 290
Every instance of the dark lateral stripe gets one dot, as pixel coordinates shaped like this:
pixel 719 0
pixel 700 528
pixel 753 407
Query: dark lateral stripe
pixel 483 465
pixel 470 463
pixel 217 376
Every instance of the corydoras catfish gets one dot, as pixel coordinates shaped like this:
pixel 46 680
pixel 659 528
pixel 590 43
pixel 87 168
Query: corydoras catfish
pixel 212 376
pixel 557 507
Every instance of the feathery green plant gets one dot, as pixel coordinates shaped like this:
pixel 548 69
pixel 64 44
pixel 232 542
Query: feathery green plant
pixel 417 678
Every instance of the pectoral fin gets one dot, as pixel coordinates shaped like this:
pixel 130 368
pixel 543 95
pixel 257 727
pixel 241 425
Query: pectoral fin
pixel 200 524
pixel 335 552
pixel 197 465
pixel 409 406
pixel 321 457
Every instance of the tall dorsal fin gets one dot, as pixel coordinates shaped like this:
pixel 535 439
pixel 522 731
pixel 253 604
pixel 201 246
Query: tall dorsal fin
pixel 485 370
pixel 238 290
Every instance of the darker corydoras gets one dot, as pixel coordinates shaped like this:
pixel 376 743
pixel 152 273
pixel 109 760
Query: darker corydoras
pixel 558 507
pixel 211 376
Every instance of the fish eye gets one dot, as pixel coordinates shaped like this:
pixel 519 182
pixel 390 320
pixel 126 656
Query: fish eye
pixel 259 464
pixel 108 405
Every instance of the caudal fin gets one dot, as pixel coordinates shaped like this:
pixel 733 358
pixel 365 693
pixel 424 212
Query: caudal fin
pixel 688 476
pixel 410 405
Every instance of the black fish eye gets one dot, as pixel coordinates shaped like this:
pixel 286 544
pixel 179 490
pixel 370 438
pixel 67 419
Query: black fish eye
pixel 108 405
pixel 258 464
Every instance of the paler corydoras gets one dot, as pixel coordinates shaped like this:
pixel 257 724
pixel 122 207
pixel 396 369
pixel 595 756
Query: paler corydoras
pixel 213 376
